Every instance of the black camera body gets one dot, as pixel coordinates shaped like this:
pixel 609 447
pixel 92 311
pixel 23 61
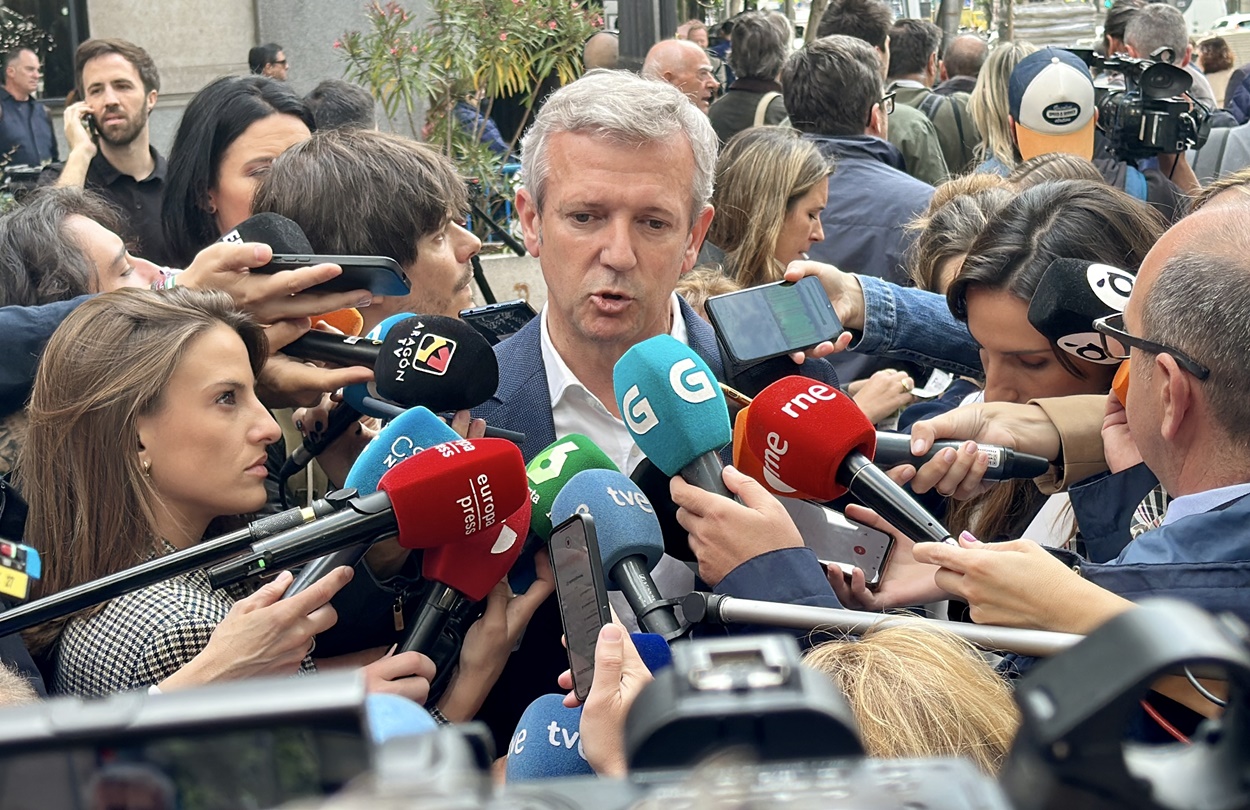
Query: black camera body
pixel 1153 114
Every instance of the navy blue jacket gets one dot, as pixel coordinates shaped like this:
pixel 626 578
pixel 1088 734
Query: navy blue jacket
pixel 26 331
pixel 26 132
pixel 522 402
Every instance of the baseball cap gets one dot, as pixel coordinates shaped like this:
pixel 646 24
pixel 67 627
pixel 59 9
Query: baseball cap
pixel 1051 99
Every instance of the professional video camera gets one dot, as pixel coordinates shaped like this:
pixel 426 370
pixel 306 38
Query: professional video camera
pixel 1153 114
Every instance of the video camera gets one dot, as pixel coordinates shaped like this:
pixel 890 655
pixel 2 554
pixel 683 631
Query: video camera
pixel 1153 114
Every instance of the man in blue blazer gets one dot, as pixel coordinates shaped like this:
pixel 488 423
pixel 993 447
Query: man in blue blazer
pixel 616 176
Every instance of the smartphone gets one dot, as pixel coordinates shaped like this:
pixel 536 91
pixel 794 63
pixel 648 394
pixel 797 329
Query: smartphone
pixel 496 322
pixel 841 541
pixel 581 593
pixel 377 274
pixel 773 319
pixel 93 129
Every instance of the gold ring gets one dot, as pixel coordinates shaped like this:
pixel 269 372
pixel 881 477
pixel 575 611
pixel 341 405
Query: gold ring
pixel 906 384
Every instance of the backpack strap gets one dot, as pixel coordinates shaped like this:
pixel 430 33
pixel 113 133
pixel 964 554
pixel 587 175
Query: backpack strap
pixel 761 109
pixel 929 105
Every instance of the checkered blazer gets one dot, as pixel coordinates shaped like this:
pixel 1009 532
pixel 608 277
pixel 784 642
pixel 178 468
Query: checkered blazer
pixel 141 638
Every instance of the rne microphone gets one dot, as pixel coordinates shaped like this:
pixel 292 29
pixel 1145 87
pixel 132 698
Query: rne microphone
pixel 752 465
pixel 674 410
pixel 894 449
pixel 814 439
pixel 1070 296
pixel 408 434
pixel 465 570
pixel 630 541
pixel 452 490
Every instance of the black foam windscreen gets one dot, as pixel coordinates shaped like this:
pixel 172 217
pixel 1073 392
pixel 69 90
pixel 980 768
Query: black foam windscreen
pixel 654 484
pixel 275 230
pixel 438 362
pixel 1070 296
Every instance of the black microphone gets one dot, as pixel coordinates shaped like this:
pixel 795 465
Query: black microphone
pixel 894 449
pixel 342 350
pixel 1070 296
pixel 275 230
pixel 341 418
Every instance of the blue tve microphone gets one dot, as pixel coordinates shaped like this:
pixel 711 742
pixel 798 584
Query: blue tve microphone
pixel 630 541
pixel 355 394
pixel 408 434
pixel 547 743
pixel 674 409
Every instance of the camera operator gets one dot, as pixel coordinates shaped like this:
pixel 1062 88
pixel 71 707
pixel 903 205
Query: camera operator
pixel 1157 26
pixel 1053 108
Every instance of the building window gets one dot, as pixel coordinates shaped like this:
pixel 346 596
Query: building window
pixel 65 23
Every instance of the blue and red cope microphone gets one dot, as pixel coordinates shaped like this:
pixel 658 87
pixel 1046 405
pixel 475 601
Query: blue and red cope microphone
pixel 674 409
pixel 812 438
pixel 630 541
pixel 408 434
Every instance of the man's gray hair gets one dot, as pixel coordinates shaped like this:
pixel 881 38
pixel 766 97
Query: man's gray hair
pixel 761 43
pixel 1198 304
pixel 624 108
pixel 1157 26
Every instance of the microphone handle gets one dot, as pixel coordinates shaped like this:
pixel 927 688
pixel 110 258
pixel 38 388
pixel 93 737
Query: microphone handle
pixel 317 569
pixel 634 579
pixel 360 519
pixel 132 579
pixel 430 619
pixel 895 448
pixel 341 418
pixel 876 490
pixel 704 472
pixel 338 349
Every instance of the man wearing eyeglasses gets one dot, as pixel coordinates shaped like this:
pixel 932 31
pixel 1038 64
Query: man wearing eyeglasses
pixel 834 93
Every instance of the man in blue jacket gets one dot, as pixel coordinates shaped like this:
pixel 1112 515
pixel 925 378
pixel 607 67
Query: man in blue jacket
pixel 26 134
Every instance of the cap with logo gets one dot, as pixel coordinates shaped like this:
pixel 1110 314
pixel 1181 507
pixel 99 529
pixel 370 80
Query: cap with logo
pixel 1051 99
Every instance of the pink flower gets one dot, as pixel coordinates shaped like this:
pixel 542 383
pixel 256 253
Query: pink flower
pixel 414 48
pixel 394 51
pixel 504 36
pixel 338 44
pixel 552 25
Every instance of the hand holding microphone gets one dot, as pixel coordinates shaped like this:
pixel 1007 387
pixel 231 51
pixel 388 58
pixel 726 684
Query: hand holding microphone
pixel 724 533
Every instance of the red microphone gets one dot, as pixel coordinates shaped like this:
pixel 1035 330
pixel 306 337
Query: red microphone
pixel 447 492
pixel 814 439
pixel 464 571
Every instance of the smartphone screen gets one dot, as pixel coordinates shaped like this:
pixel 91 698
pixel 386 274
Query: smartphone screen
pixel 773 319
pixel 581 593
pixel 496 322
pixel 838 540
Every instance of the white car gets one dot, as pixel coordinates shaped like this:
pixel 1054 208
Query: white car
pixel 1233 22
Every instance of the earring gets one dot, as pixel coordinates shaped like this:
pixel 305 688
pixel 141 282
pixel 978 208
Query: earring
pixel 147 468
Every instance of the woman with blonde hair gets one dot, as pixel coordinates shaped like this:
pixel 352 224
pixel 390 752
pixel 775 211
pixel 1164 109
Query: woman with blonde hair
pixel 771 186
pixel 922 692
pixel 988 107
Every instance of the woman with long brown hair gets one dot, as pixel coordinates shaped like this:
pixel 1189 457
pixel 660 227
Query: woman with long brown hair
pixel 144 429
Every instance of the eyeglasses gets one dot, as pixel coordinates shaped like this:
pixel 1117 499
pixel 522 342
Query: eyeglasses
pixel 887 106
pixel 1116 343
pixel 279 62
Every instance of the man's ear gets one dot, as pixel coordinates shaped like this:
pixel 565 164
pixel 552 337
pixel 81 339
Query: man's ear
pixel 531 222
pixel 1178 394
pixel 698 232
pixel 1011 124
pixel 876 122
pixel 152 100
pixel 931 67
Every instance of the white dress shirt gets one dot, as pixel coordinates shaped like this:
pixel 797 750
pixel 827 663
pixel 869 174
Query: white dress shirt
pixel 574 409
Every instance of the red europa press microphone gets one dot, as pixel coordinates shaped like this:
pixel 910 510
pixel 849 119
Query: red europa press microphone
pixel 465 570
pixel 444 494
pixel 814 439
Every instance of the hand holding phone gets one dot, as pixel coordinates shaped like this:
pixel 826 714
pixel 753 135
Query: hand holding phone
pixel 581 593
pixel 770 320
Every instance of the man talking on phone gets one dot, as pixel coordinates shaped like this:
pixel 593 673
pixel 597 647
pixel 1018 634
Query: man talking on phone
pixel 617 176
pixel 107 132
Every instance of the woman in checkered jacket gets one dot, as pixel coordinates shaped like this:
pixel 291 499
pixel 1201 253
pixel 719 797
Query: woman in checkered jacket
pixel 145 428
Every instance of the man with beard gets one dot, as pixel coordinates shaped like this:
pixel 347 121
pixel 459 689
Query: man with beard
pixel 107 132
